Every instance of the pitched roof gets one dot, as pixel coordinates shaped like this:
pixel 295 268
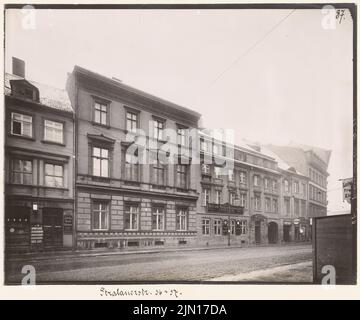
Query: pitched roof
pixel 49 96
pixel 323 154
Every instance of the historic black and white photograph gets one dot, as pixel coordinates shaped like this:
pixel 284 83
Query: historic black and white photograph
pixel 187 144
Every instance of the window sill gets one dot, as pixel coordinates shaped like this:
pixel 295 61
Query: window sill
pixel 106 126
pixel 21 137
pixel 100 179
pixel 54 143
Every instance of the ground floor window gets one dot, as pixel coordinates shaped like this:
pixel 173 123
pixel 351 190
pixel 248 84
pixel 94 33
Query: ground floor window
pixel 243 227
pixel 205 226
pixel 181 219
pixel 158 218
pixel 232 227
pixel 217 227
pixel 100 215
pixel 132 217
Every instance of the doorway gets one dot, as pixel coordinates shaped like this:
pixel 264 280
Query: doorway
pixel 257 232
pixel 286 232
pixel 53 226
pixel 273 232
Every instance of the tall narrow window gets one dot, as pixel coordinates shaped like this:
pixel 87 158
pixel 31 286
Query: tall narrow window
pixel 232 227
pixel 206 227
pixel 158 173
pixel 100 113
pixel 132 217
pixel 181 176
pixel 158 218
pixel 232 196
pixel 206 196
pixel 242 177
pixel 267 204
pixel 217 171
pixel 100 162
pixel 131 122
pixel 257 202
pixel 54 175
pixel 131 167
pixel 274 185
pixel 21 125
pixel 287 205
pixel 205 168
pixel 243 200
pixel 53 131
pixel 243 226
pixel 159 129
pixel 231 174
pixel 275 205
pixel 266 183
pixel 181 219
pixel 256 181
pixel 286 186
pixel 22 171
pixel 182 136
pixel 100 215
pixel 218 197
pixel 297 208
pixel 217 227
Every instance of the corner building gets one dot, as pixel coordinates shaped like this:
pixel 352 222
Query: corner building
pixel 122 202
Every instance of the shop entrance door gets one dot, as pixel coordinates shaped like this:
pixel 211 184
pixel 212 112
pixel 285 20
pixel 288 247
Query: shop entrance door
pixel 286 232
pixel 257 232
pixel 53 226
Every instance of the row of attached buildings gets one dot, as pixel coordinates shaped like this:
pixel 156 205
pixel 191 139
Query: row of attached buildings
pixel 104 165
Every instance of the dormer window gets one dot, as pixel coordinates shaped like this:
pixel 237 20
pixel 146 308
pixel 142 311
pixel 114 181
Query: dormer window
pixel 24 89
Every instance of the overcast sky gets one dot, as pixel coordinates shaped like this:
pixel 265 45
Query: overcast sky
pixel 273 76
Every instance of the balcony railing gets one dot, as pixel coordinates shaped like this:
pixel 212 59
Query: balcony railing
pixel 224 208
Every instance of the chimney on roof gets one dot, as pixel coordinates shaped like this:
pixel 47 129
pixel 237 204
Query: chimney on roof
pixel 18 67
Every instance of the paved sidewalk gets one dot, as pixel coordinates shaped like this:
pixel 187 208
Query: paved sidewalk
pixel 63 254
pixel 298 272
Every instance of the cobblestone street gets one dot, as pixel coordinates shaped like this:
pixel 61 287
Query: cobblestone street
pixel 171 266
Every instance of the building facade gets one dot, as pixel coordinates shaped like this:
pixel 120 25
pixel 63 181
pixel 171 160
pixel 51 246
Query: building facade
pixel 132 190
pixel 311 162
pixel 39 149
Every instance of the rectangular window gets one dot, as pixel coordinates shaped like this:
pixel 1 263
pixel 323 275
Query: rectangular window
pixel 54 175
pixel 267 204
pixel 100 162
pixel 232 227
pixel 287 205
pixel 232 196
pixel 296 187
pixel 231 175
pixel 53 131
pixel 303 208
pixel 100 215
pixel 274 205
pixel 286 186
pixel 132 217
pixel 131 167
pixel 274 185
pixel 181 176
pixel 182 134
pixel 217 171
pixel 100 113
pixel 297 208
pixel 266 183
pixel 217 196
pixel 243 202
pixel 243 227
pixel 205 168
pixel 217 227
pixel 205 226
pixel 256 181
pixel 21 125
pixel 159 129
pixel 131 122
pixel 257 202
pixel 181 219
pixel 158 218
pixel 158 173
pixel 22 171
pixel 303 189
pixel 206 196
pixel 243 177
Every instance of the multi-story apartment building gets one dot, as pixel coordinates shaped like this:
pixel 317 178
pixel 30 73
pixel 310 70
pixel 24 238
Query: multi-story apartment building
pixel 129 193
pixel 39 195
pixel 239 204
pixel 313 163
pixel 294 201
